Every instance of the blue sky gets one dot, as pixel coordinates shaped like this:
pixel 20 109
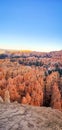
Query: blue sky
pixel 31 24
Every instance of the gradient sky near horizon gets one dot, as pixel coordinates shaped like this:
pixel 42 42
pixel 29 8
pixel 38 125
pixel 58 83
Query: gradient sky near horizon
pixel 31 24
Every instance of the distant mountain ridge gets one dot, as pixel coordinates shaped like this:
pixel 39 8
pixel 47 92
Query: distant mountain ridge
pixel 30 53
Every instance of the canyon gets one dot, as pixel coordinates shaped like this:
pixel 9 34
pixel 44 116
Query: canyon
pixel 30 90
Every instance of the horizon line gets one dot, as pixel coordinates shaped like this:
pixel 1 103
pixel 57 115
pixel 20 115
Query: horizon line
pixel 28 50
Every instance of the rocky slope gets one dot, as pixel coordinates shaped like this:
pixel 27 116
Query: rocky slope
pixel 14 116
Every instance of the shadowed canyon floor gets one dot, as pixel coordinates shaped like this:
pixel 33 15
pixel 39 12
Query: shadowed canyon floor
pixel 14 116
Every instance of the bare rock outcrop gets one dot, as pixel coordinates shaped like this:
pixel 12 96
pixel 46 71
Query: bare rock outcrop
pixel 7 96
pixel 14 116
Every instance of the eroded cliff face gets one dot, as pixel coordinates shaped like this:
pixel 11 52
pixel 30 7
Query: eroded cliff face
pixel 14 116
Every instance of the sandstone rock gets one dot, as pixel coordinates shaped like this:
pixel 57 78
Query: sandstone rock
pixel 24 100
pixel 14 116
pixel 7 96
pixel 56 97
pixel 28 97
pixel 1 100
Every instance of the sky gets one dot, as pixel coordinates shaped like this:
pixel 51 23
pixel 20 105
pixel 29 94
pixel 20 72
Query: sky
pixel 31 25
